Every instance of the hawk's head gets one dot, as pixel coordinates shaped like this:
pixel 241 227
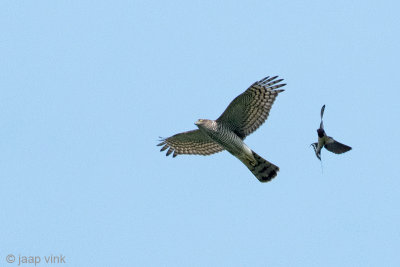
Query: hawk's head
pixel 200 122
pixel 203 123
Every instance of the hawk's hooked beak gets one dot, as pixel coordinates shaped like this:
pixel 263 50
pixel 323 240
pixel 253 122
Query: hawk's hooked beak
pixel 198 122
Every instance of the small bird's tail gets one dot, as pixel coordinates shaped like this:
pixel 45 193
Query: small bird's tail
pixel 264 171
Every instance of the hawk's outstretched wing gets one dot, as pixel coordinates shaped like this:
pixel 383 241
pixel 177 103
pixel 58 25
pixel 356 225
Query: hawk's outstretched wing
pixel 191 142
pixel 251 108
pixel 336 147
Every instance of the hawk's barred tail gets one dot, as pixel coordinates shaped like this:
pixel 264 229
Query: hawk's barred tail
pixel 264 171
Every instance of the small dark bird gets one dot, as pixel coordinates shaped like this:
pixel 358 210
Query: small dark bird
pixel 326 141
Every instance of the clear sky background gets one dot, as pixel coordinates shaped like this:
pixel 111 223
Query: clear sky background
pixel 87 88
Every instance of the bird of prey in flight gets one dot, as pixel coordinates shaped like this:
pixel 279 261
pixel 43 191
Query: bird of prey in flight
pixel 242 117
pixel 326 141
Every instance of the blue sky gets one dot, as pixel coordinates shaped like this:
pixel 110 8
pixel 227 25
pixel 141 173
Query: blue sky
pixel 87 88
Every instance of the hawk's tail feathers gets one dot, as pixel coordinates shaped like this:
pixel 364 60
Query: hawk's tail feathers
pixel 264 170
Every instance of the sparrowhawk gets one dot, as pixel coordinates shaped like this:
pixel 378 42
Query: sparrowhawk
pixel 242 117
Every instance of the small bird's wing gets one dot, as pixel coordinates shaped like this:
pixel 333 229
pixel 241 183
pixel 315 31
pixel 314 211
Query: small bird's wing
pixel 322 114
pixel 336 147
pixel 314 145
pixel 251 108
pixel 191 142
pixel 322 111
pixel 318 154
